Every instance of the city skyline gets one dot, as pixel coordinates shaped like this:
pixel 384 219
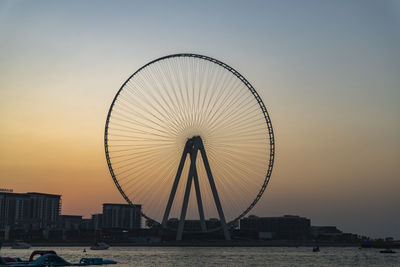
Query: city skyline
pixel 327 72
pixel 36 217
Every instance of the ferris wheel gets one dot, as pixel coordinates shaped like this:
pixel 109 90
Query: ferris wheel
pixel 188 122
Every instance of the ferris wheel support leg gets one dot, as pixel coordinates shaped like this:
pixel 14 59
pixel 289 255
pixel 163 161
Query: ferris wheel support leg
pixel 184 208
pixel 193 156
pixel 199 201
pixel 174 187
pixel 215 192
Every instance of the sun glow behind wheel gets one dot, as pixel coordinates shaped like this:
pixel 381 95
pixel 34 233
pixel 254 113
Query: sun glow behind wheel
pixel 167 102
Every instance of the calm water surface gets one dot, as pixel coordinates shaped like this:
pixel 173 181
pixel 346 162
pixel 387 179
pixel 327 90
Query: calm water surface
pixel 221 256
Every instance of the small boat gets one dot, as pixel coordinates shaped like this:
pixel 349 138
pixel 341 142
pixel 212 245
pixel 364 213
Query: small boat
pixel 315 249
pixel 20 245
pixel 99 246
pixel 388 250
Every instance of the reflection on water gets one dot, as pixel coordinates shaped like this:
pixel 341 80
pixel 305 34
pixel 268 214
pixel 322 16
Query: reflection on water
pixel 220 256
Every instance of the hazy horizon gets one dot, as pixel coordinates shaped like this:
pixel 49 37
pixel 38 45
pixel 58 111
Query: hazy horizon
pixel 328 73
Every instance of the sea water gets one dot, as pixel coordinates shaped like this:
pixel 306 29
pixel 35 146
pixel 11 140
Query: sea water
pixel 223 256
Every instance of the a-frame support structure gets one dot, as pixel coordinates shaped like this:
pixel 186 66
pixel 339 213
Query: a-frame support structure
pixel 192 147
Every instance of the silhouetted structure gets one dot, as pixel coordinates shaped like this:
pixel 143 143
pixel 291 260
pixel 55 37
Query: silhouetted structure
pixel 229 117
pixel 45 210
pixel 288 227
pixel 123 216
pixel 194 225
pixel 70 222
pixel 14 210
pixel 29 211
pixel 318 231
pixel 332 234
pixel 97 220
pixel 35 217
pixel 86 224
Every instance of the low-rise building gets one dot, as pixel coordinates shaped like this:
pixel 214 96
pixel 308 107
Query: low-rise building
pixel 288 227
pixel 122 216
pixel 193 225
pixel 70 222
pixel 97 220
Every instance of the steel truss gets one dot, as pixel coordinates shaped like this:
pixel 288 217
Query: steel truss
pixel 192 147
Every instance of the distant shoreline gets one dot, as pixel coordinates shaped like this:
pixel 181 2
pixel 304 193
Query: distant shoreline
pixel 200 244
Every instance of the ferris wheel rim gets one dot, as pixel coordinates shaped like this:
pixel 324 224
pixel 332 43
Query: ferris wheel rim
pixel 249 87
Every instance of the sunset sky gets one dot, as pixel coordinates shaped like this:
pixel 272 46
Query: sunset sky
pixel 328 72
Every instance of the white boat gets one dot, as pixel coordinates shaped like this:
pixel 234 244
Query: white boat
pixel 20 245
pixel 99 246
pixel 388 250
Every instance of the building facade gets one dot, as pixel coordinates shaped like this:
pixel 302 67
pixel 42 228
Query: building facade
pixel 288 227
pixel 70 222
pixel 193 225
pixel 97 221
pixel 122 216
pixel 29 211
pixel 45 210
pixel 14 210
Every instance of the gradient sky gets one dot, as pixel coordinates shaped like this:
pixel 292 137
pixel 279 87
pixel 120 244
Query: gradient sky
pixel 328 72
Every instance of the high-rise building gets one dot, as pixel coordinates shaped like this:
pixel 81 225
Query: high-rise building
pixel 45 210
pixel 121 216
pixel 29 211
pixel 14 210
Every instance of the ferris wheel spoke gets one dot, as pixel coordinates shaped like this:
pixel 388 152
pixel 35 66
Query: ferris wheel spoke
pixel 235 171
pixel 136 158
pixel 124 173
pixel 176 84
pixel 123 118
pixel 138 150
pixel 241 110
pixel 129 129
pixel 135 177
pixel 159 122
pixel 164 110
pixel 134 155
pixel 171 104
pixel 220 101
pixel 167 74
